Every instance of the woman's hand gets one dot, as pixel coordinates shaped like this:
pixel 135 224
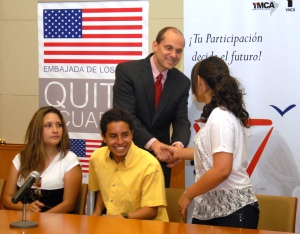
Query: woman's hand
pixel 35 206
pixel 172 150
pixel 183 205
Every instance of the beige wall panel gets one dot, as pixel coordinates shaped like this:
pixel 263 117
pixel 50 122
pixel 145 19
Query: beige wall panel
pixel 1 68
pixel 19 58
pixel 1 116
pixel 1 7
pixel 0 53
pixel 166 9
pixel 16 114
pixel 19 10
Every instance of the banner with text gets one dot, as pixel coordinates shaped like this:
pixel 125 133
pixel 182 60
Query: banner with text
pixel 260 43
pixel 80 44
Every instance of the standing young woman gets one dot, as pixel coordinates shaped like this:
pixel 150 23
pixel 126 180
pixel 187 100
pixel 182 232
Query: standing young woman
pixel 222 190
pixel 47 152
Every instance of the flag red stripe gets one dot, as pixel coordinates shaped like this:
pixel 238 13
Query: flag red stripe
pixel 93 44
pixel 109 10
pixel 99 141
pixel 91 151
pixel 112 36
pixel 84 159
pixel 85 61
pixel 112 27
pixel 119 18
pixel 134 53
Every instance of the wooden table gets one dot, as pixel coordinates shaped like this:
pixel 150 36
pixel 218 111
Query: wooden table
pixel 73 224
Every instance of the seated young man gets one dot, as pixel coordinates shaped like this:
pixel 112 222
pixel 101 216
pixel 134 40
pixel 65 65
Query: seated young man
pixel 128 180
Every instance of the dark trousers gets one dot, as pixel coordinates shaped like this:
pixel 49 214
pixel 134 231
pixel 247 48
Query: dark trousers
pixel 167 174
pixel 246 217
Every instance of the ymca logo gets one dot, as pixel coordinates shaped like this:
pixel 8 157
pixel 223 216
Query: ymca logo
pixel 290 6
pixel 263 5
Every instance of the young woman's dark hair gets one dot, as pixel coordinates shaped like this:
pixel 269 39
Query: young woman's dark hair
pixel 227 91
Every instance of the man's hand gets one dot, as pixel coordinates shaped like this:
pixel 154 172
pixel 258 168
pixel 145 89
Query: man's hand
pixel 173 163
pixel 160 153
pixel 174 152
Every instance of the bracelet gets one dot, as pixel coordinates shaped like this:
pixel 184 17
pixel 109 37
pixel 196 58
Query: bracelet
pixel 125 215
pixel 185 193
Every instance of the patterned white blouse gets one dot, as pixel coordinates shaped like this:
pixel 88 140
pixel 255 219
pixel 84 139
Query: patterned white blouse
pixel 222 132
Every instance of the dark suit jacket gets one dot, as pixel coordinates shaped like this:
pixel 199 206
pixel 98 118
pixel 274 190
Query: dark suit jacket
pixel 134 91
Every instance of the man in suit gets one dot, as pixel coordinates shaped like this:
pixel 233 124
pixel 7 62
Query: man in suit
pixel 134 90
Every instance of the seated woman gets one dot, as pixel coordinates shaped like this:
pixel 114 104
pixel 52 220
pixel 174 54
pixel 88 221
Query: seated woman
pixel 47 152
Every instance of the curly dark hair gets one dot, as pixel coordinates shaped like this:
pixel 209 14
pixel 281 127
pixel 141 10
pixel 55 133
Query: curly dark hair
pixel 227 91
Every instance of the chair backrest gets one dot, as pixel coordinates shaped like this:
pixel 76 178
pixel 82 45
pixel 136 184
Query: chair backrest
pixel 2 187
pixel 81 200
pixel 172 196
pixel 277 213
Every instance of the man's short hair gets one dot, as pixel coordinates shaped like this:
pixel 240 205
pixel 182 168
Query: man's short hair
pixel 115 115
pixel 161 33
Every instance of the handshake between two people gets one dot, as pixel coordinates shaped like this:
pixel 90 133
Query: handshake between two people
pixel 166 153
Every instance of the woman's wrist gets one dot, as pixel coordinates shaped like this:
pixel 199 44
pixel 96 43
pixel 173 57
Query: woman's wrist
pixel 186 195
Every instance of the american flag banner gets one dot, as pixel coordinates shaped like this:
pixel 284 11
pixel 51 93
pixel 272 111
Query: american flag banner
pixel 69 25
pixel 80 44
pixel 84 149
pixel 85 37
